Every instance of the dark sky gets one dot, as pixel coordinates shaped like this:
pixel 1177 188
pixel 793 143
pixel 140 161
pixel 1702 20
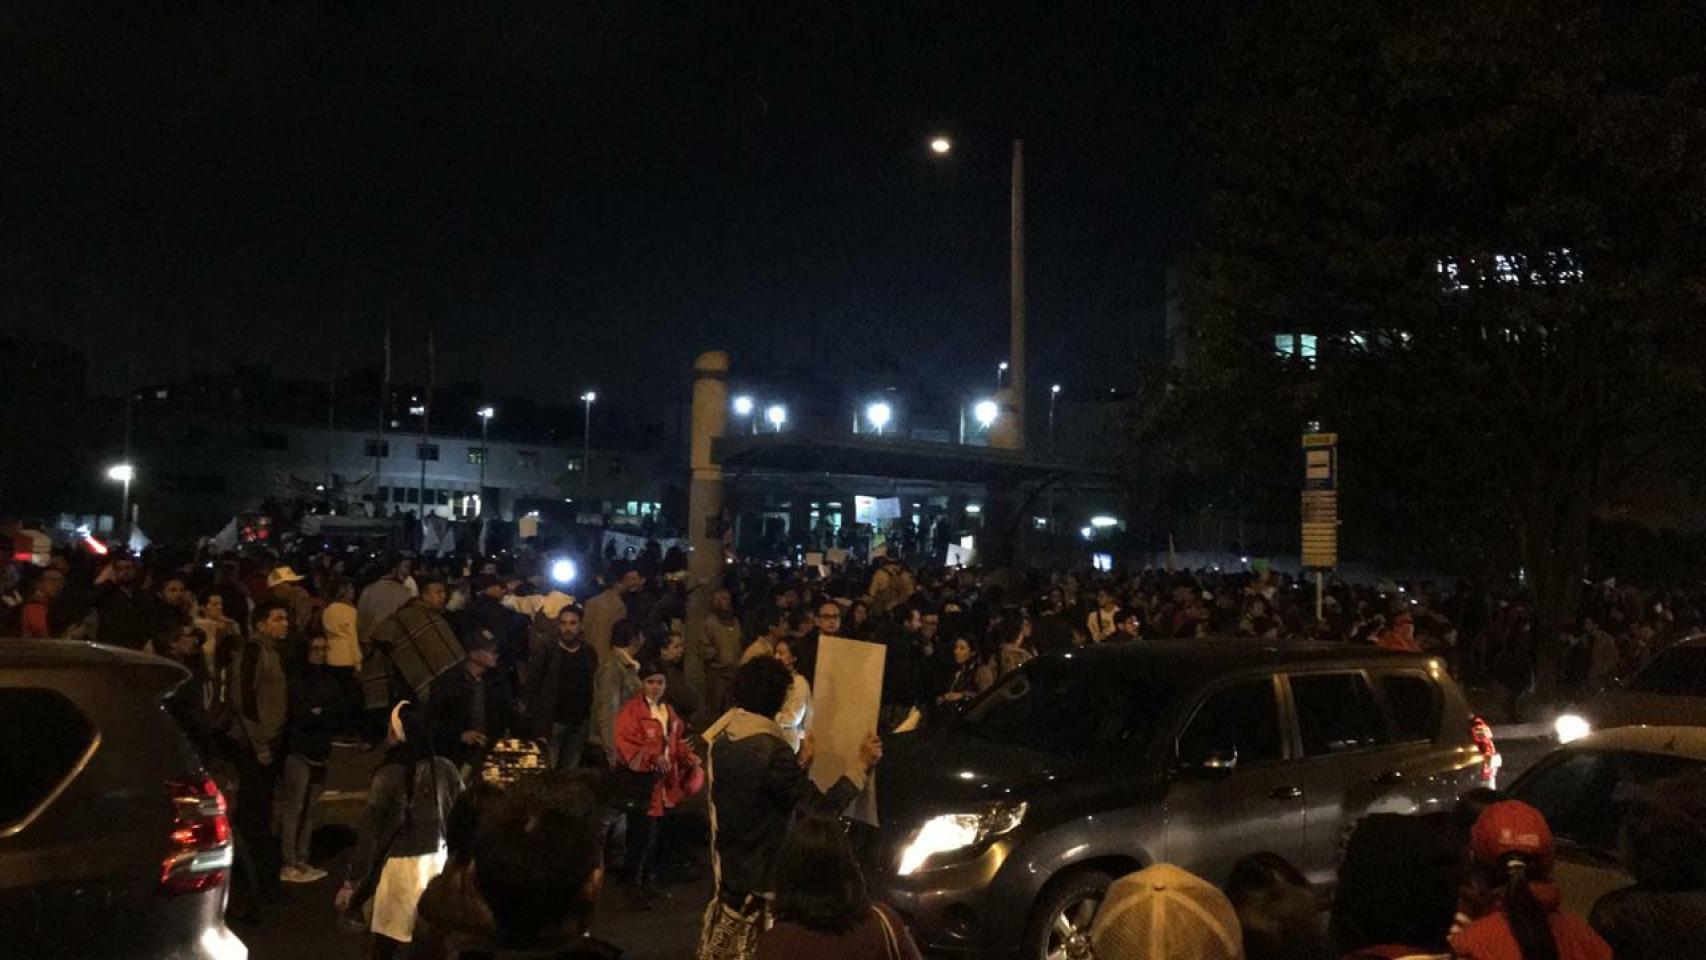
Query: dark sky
pixel 589 193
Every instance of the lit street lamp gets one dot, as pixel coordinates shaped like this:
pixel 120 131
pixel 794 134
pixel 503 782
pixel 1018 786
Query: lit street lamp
pixel 486 415
pixel 941 145
pixel 743 408
pixel 878 415
pixel 1000 369
pixel 986 411
pixel 586 444
pixel 123 473
pixel 1053 395
pixel 777 415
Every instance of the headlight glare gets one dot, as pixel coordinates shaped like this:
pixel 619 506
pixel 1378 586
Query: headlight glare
pixel 957 831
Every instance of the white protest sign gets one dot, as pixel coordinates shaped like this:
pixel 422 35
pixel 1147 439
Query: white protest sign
pixel 846 694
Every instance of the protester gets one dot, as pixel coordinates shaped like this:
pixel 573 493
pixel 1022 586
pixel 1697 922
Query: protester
pixel 1165 913
pixel 1511 850
pixel 260 702
pixel 964 685
pixel 902 667
pixel 617 682
pixel 858 625
pixel 774 626
pixel 823 911
pixel 1398 890
pixel 1128 625
pixel 680 693
pixel 1101 622
pixel 451 914
pixel 317 709
pixel 795 717
pixel 650 746
pixel 538 868
pixel 410 649
pixel 1663 915
pixel 400 841
pixel 471 707
pixel 191 704
pixel 343 650
pixel 560 692
pixel 124 615
pixel 41 615
pixel 719 644
pixel 756 785
pixel 384 597
pixel 1276 910
pixel 604 611
pixel 285 586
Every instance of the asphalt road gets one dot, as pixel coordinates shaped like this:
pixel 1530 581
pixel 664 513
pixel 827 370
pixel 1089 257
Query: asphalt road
pixel 302 925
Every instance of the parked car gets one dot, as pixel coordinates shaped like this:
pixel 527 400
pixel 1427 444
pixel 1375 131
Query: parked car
pixel 1669 690
pixel 1584 788
pixel 1001 830
pixel 114 841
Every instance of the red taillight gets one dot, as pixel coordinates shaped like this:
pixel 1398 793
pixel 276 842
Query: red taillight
pixel 199 857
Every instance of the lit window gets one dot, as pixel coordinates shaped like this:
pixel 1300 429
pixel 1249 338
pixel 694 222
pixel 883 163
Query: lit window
pixel 477 455
pixel 1285 345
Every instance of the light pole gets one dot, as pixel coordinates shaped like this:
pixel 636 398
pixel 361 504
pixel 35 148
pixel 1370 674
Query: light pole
pixel 1000 370
pixel 486 414
pixel 586 444
pixel 777 415
pixel 123 473
pixel 1053 395
pixel 743 408
pixel 1011 435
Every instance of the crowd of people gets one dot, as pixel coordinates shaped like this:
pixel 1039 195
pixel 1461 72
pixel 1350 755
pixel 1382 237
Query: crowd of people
pixel 639 707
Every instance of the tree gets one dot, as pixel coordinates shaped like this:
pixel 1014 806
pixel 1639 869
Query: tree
pixel 1476 233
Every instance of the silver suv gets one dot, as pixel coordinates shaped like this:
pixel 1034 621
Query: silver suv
pixel 1001 830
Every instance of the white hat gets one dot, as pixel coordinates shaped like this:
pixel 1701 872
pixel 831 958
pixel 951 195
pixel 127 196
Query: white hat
pixel 282 575
pixel 1165 913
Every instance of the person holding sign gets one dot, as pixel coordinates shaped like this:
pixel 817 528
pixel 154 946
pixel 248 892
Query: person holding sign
pixel 756 785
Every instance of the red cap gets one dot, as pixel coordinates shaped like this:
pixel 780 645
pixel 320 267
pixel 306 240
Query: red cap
pixel 1512 827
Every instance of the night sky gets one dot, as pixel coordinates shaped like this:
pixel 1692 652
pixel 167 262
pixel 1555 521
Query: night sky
pixel 580 193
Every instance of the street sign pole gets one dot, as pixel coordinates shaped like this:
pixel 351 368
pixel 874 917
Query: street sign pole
pixel 1320 511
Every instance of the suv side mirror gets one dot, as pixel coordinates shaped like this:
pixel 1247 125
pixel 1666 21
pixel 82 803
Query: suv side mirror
pixel 1213 763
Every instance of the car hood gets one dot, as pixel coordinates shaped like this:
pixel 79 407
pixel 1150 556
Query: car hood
pixel 1623 708
pixel 950 770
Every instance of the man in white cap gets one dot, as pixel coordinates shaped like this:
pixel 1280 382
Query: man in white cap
pixel 285 586
pixel 1165 913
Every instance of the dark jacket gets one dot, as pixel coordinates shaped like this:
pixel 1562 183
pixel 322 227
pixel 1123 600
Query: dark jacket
pixel 679 692
pixel 451 915
pixel 126 618
pixel 902 665
pixel 508 628
pixel 560 687
pixel 1643 924
pixel 414 823
pixel 450 707
pixel 756 786
pixel 316 712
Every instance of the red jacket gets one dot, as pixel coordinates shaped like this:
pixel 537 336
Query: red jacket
pixel 640 744
pixel 1490 937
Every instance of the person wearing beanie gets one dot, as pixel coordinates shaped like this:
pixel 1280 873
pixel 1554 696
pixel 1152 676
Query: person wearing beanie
pixel 1511 847
pixel 1165 913
pixel 1398 888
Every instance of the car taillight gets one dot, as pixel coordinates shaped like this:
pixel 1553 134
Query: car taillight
pixel 199 857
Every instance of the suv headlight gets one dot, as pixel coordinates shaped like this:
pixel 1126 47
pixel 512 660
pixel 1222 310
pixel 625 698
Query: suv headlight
pixel 1571 726
pixel 957 831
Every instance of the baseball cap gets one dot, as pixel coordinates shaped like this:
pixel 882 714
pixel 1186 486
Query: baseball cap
pixel 282 575
pixel 1165 913
pixel 1512 827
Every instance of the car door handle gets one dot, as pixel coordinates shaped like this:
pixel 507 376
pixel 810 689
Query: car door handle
pixel 1388 778
pixel 1287 793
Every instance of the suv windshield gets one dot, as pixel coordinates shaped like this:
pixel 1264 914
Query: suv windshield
pixel 1070 709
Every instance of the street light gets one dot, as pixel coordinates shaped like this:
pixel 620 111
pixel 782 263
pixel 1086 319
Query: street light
pixel 743 408
pixel 123 473
pixel 940 145
pixel 1000 369
pixel 1053 395
pixel 486 415
pixel 986 411
pixel 878 415
pixel 586 444
pixel 777 415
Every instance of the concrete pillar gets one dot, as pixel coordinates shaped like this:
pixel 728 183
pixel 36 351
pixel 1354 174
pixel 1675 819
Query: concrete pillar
pixel 705 500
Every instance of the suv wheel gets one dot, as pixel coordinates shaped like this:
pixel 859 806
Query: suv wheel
pixel 1060 923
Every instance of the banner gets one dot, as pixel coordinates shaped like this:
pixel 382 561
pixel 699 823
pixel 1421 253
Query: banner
pixel 847 693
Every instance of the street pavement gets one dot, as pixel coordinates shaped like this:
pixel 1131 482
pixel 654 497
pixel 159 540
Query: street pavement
pixel 302 925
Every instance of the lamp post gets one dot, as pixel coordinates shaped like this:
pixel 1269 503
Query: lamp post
pixel 1000 370
pixel 777 415
pixel 486 414
pixel 586 444
pixel 123 473
pixel 1010 435
pixel 1053 395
